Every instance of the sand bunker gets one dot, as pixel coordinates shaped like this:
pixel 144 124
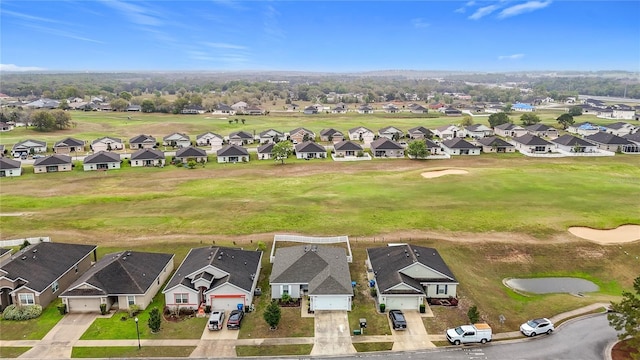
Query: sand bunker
pixel 438 173
pixel 621 234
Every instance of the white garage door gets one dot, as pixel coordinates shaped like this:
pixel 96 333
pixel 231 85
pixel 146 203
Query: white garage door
pixel 330 303
pixel 84 305
pixel 402 303
pixel 226 302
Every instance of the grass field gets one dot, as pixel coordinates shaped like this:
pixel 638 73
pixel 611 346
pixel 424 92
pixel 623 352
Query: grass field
pixel 127 352
pixel 34 329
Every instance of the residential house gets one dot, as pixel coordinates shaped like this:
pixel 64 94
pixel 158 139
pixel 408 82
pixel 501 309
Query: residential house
pixel 585 128
pixel 404 276
pixel 210 139
pixel 119 280
pixel 494 109
pixel 448 132
pixel 385 148
pixel 433 148
pixel 10 167
pixel 532 144
pixel 494 144
pixel 522 107
pixel 232 154
pixel 37 274
pixel 611 142
pixel 134 108
pixel 542 130
pixel 27 147
pixel 178 140
pixel 239 106
pixel 365 109
pixel 191 153
pixel 5 254
pixel 310 150
pixel 339 109
pixel 509 130
pixel 347 148
pixel 253 110
pixel 458 146
pixel 391 109
pixel 43 103
pixel 107 144
pixel 271 136
pixel 634 138
pixel 2 150
pixel 478 131
pixel 102 160
pixel 240 138
pixel 68 146
pixel 419 132
pixel 623 114
pixel 391 133
pixel 332 135
pixel 5 127
pixel 224 109
pixel 418 109
pixel 193 109
pixel 321 272
pixel 142 142
pixel 361 133
pixel 620 128
pixel 310 110
pixel 52 163
pixel 264 151
pixel 220 277
pixel 572 144
pixel 436 106
pixel 147 157
pixel 300 135
pixel 451 111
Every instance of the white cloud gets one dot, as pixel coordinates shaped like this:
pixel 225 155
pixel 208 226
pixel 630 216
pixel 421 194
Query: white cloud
pixel 483 11
pixel 529 6
pixel 419 23
pixel 29 17
pixel 14 67
pixel 218 45
pixel 62 33
pixel 511 57
pixel 271 24
pixel 464 7
pixel 136 14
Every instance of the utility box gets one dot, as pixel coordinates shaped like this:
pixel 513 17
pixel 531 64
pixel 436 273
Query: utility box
pixel 363 323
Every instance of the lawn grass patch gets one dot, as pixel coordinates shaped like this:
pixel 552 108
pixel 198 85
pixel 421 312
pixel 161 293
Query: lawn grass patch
pixel 13 351
pixel 373 346
pixel 124 352
pixel 273 350
pixel 33 329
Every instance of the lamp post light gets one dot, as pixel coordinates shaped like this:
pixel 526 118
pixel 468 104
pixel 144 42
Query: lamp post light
pixel 138 331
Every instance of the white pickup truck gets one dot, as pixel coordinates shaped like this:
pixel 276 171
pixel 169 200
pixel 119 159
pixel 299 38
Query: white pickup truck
pixel 465 334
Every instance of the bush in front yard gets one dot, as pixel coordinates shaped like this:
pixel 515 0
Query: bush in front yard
pixel 13 312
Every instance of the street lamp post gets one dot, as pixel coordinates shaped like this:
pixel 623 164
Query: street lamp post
pixel 138 331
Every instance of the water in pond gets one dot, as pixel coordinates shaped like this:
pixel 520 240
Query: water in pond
pixel 552 285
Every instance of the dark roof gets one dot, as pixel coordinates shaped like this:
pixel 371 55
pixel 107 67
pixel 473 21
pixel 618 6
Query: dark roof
pixel 208 133
pixel 324 268
pixel 102 157
pixel 458 143
pixel 617 125
pixel 538 127
pixel 310 146
pixel 635 137
pixel 529 139
pixel 507 126
pixel 53 160
pixel 232 150
pixel 36 142
pixel 392 128
pixel 385 144
pixel 41 264
pixel 240 265
pixel 475 127
pixel 190 151
pixel 494 141
pixel 265 149
pixel 347 145
pixel 387 262
pixel 431 144
pixel 182 136
pixel 123 273
pixel 606 138
pixel 141 139
pixel 241 134
pixel 329 132
pixel 570 140
pixel 147 154
pixel 6 164
pixel 420 129
pixel 117 140
pixel 266 133
pixel 301 129
pixel 69 142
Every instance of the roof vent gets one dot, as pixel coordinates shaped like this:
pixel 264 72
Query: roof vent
pixel 129 254
pixel 219 257
pixel 124 258
pixel 24 258
pixel 417 254
pixel 406 254
pixel 245 263
pixel 253 276
pixel 35 251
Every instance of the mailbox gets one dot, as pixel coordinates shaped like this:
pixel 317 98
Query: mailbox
pixel 363 323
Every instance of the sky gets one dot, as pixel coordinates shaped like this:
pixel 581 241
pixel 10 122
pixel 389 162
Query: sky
pixel 322 36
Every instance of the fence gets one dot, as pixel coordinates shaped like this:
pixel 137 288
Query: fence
pixel 16 242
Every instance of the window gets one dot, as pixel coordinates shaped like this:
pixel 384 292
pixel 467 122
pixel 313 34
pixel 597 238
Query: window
pixel 54 286
pixel 182 298
pixel 441 289
pixel 26 299
pixel 285 289
pixel 131 300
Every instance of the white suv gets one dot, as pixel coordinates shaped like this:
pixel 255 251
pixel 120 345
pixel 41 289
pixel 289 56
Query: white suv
pixel 537 326
pixel 216 319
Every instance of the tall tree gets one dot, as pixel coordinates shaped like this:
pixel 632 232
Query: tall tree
pixel 272 314
pixel 125 95
pixel 119 104
pixel 626 317
pixel 565 120
pixel 417 149
pixel 282 150
pixel 529 119
pixel 62 119
pixel 467 120
pixel 43 120
pixel 498 119
pixel 575 111
pixel 147 106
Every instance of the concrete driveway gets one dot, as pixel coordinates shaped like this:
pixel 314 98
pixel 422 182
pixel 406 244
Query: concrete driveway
pixel 220 343
pixel 332 334
pixel 58 342
pixel 414 337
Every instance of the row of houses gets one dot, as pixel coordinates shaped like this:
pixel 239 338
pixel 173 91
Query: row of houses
pixel 405 276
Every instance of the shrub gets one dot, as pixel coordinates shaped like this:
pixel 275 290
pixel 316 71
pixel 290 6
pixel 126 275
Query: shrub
pixel 382 307
pixel 272 314
pixel 154 320
pixel 133 310
pixel 473 314
pixel 13 312
pixel 373 292
pixel 62 308
pixel 285 298
pixel 103 309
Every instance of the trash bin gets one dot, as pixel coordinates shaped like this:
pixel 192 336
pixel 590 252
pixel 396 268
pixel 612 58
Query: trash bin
pixel 357 332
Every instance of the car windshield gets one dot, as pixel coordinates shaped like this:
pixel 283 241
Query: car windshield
pixel 532 323
pixel 234 316
pixel 459 330
pixel 398 316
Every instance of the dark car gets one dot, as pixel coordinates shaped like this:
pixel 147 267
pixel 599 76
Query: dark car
pixel 397 320
pixel 235 318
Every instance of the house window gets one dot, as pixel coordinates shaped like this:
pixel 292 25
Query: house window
pixel 441 289
pixel 182 298
pixel 131 300
pixel 26 299
pixel 55 286
pixel 285 289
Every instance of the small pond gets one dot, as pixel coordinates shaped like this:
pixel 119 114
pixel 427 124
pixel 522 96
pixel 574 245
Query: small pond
pixel 552 285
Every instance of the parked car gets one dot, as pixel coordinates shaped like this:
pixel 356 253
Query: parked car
pixel 469 334
pixel 397 320
pixel 235 319
pixel 216 319
pixel 537 326
pixel 37 156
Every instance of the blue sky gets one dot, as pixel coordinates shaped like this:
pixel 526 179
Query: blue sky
pixel 333 36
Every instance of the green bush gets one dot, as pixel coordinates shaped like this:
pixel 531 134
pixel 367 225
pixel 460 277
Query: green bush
pixel 473 314
pixel 133 310
pixel 373 292
pixel 103 309
pixel 13 312
pixel 285 298
pixel 155 320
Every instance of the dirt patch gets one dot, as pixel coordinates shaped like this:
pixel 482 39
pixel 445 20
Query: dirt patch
pixel 591 253
pixel 619 235
pixel 513 257
pixel 437 173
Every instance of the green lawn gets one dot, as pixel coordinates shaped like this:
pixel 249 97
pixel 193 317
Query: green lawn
pixel 125 352
pixel 371 347
pixel 12 352
pixel 274 350
pixel 34 329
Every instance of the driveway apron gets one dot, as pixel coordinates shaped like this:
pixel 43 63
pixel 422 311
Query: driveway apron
pixel 220 344
pixel 58 342
pixel 332 334
pixel 415 337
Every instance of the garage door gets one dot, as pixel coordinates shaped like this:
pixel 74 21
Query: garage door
pixel 402 303
pixel 226 302
pixel 330 303
pixel 84 305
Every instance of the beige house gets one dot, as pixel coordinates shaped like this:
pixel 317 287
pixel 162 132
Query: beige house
pixel 68 146
pixel 107 144
pixel 52 163
pixel 300 135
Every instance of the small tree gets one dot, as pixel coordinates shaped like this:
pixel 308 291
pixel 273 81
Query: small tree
pixel 565 120
pixel 417 149
pixel 282 150
pixel 272 314
pixel 24 244
pixel 473 314
pixel 529 119
pixel 191 163
pixel 575 111
pixel 467 120
pixel 498 119
pixel 626 317
pixel 155 321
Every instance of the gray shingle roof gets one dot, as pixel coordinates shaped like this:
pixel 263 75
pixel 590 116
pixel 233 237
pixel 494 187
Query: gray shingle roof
pixel 635 137
pixel 494 141
pixel 329 132
pixel 53 160
pixel 347 145
pixel 385 144
pixel 102 157
pixel 324 268
pixel 265 149
pixel 141 139
pixel 420 129
pixel 355 129
pixel 458 143
pixel 569 140
pixel 7 164
pixel 507 126
pixel 116 140
pixel 309 146
pixel 606 138
pixel 147 154
pixel 241 135
pixel 529 139
pixel 232 150
pixel 538 127
pixel 431 144
pixel 69 142
pixel 190 151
